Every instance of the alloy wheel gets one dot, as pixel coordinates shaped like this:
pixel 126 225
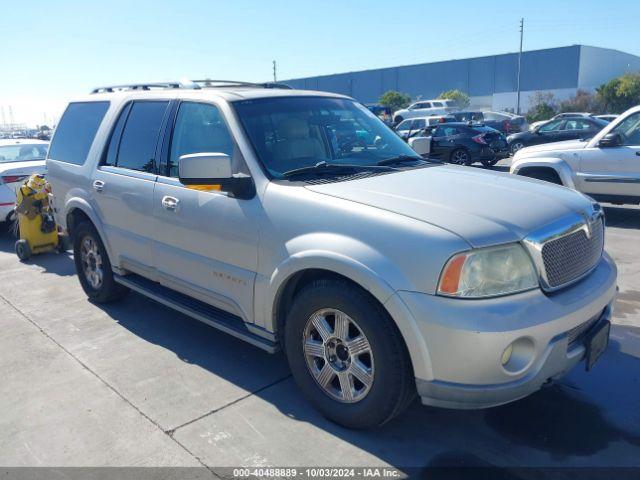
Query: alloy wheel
pixel 338 355
pixel 91 262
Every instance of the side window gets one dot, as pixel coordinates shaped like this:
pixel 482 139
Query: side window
pixel 551 126
pixel 438 104
pixel 140 136
pixel 76 131
pixel 200 128
pixel 629 130
pixel 577 124
pixel 417 124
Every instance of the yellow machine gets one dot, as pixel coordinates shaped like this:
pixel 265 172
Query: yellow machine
pixel 37 228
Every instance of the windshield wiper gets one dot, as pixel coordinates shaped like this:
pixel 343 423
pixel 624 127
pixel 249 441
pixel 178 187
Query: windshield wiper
pixel 404 159
pixel 322 168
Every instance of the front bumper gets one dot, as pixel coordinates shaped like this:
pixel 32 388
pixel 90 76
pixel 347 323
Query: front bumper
pixel 465 339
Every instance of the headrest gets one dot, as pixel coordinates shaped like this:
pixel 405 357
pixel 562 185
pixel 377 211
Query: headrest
pixel 293 128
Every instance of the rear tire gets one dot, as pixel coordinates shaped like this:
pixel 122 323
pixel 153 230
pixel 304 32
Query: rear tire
pixel 460 156
pixel 93 266
pixel 489 163
pixel 388 385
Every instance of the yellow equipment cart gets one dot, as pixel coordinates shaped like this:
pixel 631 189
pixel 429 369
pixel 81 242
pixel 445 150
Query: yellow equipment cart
pixel 36 226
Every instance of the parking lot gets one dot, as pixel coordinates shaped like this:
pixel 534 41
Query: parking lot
pixel 137 384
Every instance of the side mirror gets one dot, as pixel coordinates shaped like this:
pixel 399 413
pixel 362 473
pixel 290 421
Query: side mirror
pixel 610 140
pixel 202 170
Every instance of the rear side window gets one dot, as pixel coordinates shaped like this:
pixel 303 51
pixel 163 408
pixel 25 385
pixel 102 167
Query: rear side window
pixel 76 131
pixel 137 147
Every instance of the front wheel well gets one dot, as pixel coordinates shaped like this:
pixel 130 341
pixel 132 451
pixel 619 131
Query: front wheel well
pixel 74 218
pixel 548 174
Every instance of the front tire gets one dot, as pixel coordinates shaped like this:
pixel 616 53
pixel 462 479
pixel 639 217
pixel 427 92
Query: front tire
pixel 347 355
pixel 93 266
pixel 515 146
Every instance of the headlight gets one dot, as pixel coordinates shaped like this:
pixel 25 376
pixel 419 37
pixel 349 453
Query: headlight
pixel 488 272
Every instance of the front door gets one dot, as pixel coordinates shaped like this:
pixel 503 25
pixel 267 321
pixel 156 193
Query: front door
pixel 123 185
pixel 614 171
pixel 206 242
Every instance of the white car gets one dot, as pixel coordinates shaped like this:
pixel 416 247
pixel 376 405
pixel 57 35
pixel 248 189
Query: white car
pixel 416 124
pixel 425 108
pixel 605 167
pixel 18 160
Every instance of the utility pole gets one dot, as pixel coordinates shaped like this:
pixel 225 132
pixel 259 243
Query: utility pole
pixel 275 76
pixel 520 64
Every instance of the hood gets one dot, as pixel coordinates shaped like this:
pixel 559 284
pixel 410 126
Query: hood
pixel 485 208
pixel 550 147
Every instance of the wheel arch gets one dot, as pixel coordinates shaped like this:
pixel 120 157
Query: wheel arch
pixel 78 210
pixel 286 285
pixel 557 165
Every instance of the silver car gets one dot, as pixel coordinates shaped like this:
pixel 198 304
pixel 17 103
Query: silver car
pixel 297 220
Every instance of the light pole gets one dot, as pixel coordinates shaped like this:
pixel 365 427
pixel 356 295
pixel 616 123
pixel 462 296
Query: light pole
pixel 520 64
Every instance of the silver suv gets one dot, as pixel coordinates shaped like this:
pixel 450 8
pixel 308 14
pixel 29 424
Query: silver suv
pixel 298 220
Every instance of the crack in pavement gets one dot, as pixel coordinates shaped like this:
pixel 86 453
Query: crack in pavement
pixel 170 432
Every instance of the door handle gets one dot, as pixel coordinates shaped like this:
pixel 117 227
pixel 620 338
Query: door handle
pixel 638 154
pixel 98 185
pixel 170 203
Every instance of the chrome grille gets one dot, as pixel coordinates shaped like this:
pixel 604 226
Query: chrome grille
pixel 569 257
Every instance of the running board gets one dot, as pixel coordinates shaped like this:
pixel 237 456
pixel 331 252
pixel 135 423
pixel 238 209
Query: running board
pixel 224 321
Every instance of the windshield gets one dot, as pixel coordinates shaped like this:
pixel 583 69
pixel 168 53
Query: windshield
pixel 288 133
pixel 23 152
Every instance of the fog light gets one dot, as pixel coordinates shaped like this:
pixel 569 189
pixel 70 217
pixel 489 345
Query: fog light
pixel 506 355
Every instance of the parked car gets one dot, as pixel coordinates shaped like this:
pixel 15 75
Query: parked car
pixel 468 116
pixel 413 126
pixel 462 144
pixel 560 115
pixel 425 108
pixel 506 123
pixel 607 117
pixel 380 273
pixel 18 160
pixel 605 167
pixel 556 131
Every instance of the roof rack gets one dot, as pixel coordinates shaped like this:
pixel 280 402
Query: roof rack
pixel 209 83
pixel 188 84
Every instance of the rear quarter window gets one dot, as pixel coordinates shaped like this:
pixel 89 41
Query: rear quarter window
pixel 76 131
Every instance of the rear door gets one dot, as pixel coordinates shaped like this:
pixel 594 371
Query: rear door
pixel 443 141
pixel 614 171
pixel 123 184
pixel 575 128
pixel 206 242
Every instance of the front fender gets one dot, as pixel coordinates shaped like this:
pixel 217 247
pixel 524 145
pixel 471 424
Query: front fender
pixel 561 167
pixel 368 277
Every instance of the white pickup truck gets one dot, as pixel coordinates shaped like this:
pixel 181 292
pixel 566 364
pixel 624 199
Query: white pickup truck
pixel 605 167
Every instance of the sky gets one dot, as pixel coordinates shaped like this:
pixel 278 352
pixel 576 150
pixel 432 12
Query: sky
pixel 53 50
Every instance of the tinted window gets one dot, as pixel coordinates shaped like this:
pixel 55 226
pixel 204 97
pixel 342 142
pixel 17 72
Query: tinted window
pixel 438 104
pixel 140 136
pixel 629 130
pixel 578 124
pixel 551 126
pixel 199 128
pixel 418 123
pixel 76 131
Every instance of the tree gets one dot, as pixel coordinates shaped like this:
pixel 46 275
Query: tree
pixel 583 101
pixel 395 100
pixel 460 98
pixel 620 93
pixel 542 107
